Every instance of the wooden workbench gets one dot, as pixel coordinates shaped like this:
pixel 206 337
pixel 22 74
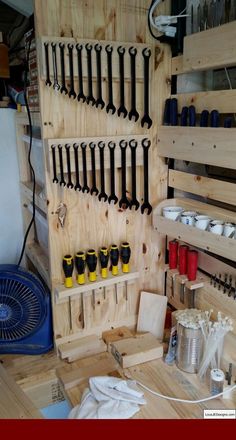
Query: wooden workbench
pixel 167 380
pixel 39 372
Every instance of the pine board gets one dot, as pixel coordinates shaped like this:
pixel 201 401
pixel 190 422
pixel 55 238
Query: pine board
pixel 152 313
pixel 134 351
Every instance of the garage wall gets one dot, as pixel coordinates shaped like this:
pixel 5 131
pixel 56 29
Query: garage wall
pixel 11 225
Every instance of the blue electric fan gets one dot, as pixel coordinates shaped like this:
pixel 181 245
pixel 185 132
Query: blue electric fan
pixel 25 312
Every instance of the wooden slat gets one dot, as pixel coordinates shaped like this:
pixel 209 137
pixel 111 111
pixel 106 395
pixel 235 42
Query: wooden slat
pixel 203 186
pixel 39 260
pixel 14 404
pixel 212 146
pixel 22 118
pixel 203 239
pixel 211 49
pixel 27 192
pixel 177 65
pixel 61 293
pixel 222 100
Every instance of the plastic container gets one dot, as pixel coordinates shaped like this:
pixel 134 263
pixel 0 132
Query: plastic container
pixel 217 378
pixel 189 348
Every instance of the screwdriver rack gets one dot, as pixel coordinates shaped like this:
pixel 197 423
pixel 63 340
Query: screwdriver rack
pixel 92 71
pixel 62 294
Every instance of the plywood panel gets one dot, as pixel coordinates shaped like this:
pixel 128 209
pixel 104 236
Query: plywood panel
pixel 90 223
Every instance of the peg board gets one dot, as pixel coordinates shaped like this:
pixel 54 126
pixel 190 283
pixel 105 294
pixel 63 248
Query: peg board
pixel 90 223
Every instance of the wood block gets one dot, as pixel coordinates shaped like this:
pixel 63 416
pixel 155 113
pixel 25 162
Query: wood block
pixel 116 335
pixel 152 313
pixel 77 373
pixel 137 350
pixel 81 348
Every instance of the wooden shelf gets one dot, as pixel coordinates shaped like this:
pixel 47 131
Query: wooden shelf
pixel 27 191
pixel 61 293
pixel 211 146
pixel 37 256
pixel 22 118
pixel 210 49
pixel 217 244
pixel 36 142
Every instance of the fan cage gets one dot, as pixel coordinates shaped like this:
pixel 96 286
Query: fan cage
pixel 22 304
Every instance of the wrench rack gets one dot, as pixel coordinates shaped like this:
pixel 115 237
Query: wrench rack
pixel 108 75
pixel 70 160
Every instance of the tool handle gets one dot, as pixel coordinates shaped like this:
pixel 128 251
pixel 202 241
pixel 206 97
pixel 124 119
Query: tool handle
pixel 183 252
pixel 166 117
pixel 173 112
pixel 215 118
pixel 204 118
pixel 228 122
pixel 192 116
pixel 184 117
pixel 173 254
pixel 192 262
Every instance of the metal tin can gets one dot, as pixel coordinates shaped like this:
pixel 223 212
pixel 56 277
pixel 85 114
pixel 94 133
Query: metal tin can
pixel 189 348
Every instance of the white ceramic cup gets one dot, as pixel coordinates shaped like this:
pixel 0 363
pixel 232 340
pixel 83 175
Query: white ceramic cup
pixel 188 217
pixel 172 212
pixel 229 230
pixel 202 221
pixel 216 227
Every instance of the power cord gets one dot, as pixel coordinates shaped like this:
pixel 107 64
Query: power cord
pixel 30 148
pixel 176 399
pixel 163 22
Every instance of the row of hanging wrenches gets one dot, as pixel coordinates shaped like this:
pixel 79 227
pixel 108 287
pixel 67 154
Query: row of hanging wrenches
pixel 224 284
pixel 69 176
pixel 88 51
pixel 211 13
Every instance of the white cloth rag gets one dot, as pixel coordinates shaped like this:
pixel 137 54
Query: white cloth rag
pixel 108 398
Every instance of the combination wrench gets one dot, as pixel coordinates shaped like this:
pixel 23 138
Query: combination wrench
pixel 81 95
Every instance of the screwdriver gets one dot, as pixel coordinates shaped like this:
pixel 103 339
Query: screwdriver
pixel 114 256
pixel 125 253
pixel 104 257
pixel 91 260
pixel 68 266
pixel 80 267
